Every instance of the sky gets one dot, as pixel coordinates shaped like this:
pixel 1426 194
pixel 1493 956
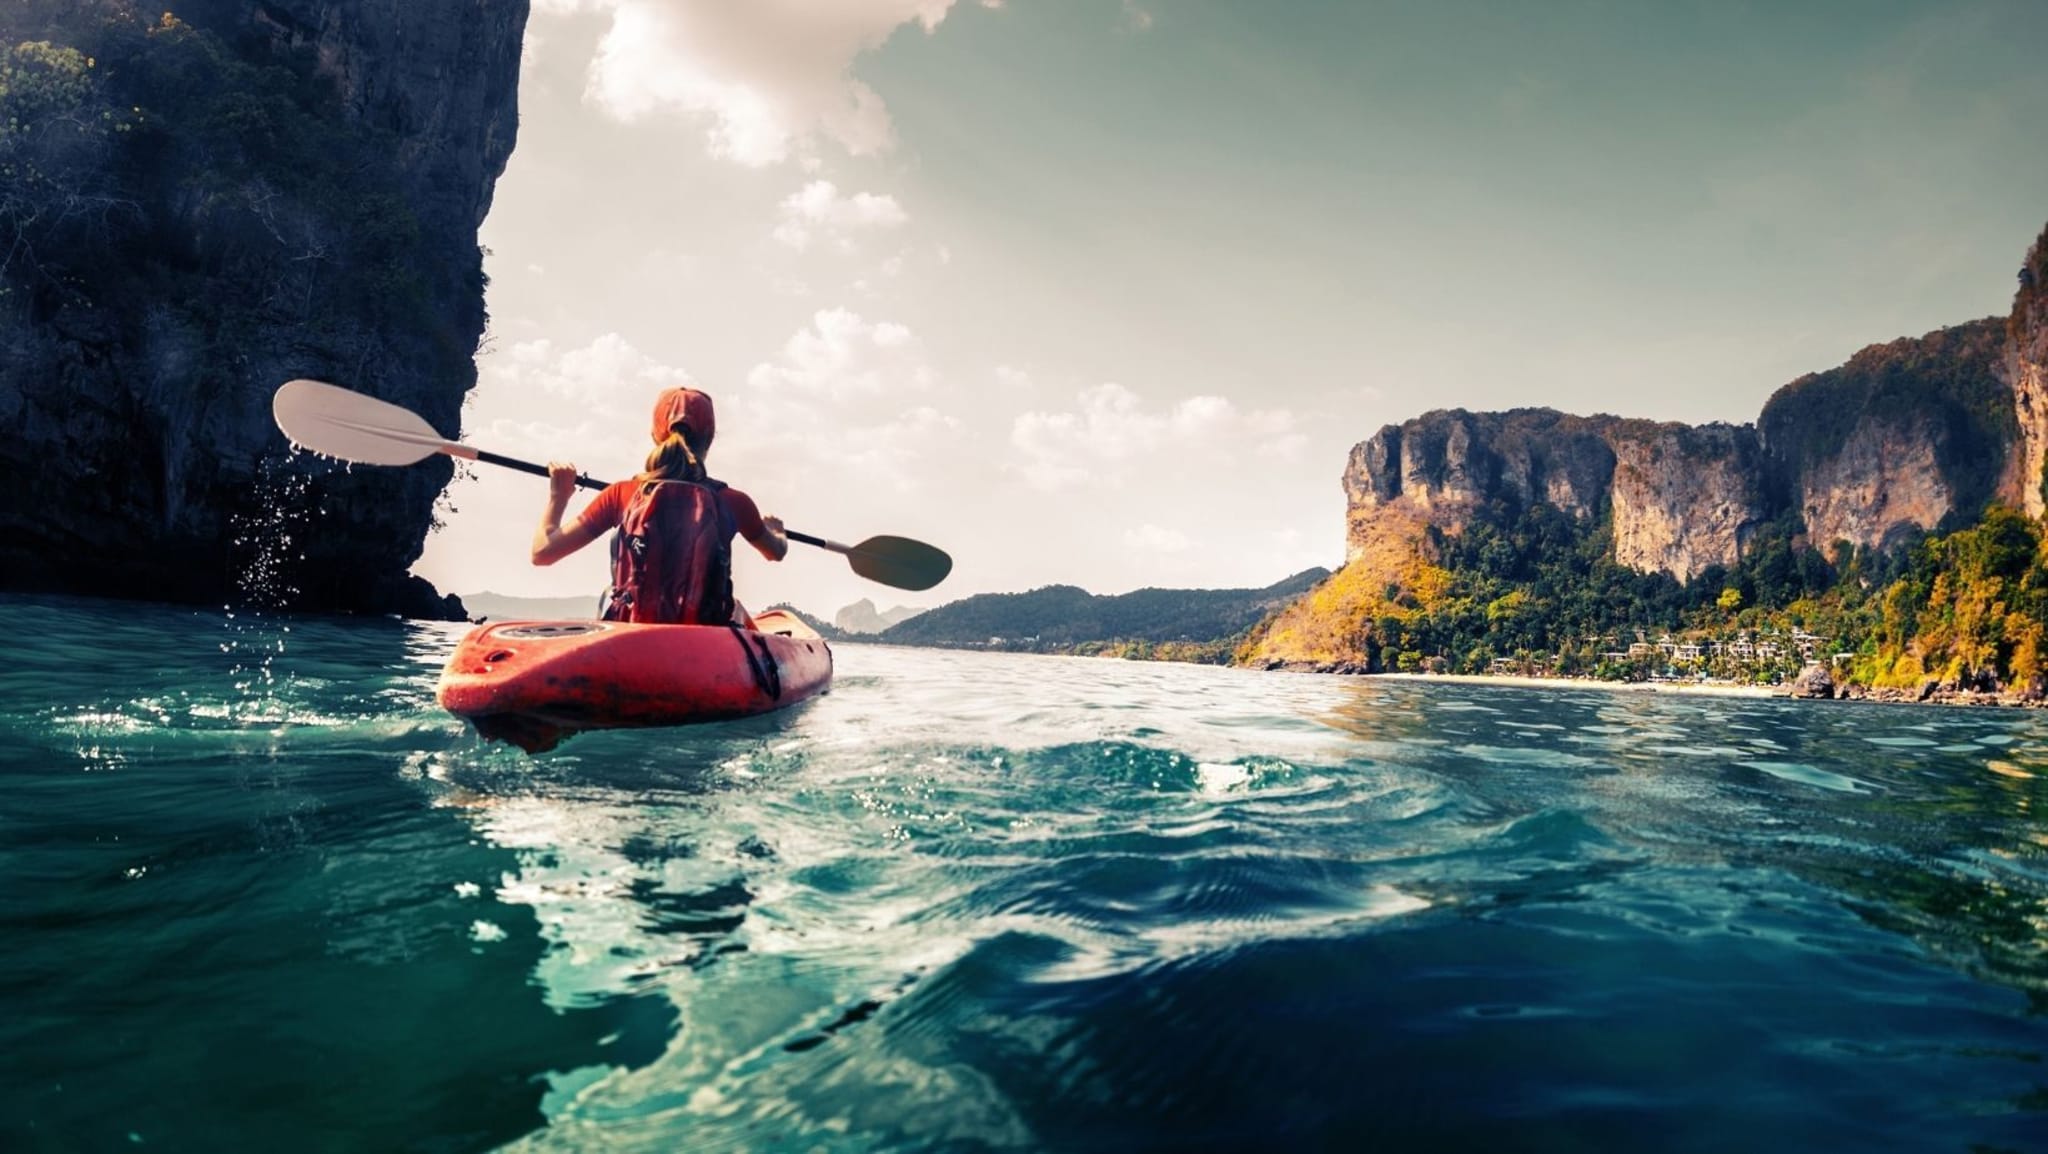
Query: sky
pixel 1102 292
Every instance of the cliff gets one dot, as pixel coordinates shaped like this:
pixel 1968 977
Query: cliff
pixel 1681 498
pixel 2025 370
pixel 1685 499
pixel 201 206
pixel 1898 439
pixel 1908 438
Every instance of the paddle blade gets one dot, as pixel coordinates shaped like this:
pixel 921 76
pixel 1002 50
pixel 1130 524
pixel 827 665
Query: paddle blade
pixel 900 562
pixel 335 422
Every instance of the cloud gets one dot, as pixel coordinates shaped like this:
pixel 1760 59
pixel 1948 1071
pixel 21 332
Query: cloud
pixel 841 356
pixel 1110 431
pixel 854 398
pixel 768 76
pixel 818 210
pixel 1153 539
pixel 608 373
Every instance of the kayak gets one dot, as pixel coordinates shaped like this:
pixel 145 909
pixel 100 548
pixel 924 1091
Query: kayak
pixel 535 682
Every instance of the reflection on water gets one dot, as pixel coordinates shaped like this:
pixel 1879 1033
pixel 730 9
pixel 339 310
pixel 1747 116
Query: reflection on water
pixel 973 901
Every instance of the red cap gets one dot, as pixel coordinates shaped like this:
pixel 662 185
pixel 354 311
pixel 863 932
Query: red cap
pixel 680 406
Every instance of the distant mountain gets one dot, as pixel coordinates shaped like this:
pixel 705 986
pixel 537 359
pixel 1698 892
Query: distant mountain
pixel 1063 618
pixel 825 629
pixel 862 617
pixel 498 607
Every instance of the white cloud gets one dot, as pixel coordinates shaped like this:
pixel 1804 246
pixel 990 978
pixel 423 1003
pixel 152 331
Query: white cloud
pixel 819 211
pixel 851 403
pixel 608 373
pixel 770 76
pixel 1111 430
pixel 1152 539
pixel 841 356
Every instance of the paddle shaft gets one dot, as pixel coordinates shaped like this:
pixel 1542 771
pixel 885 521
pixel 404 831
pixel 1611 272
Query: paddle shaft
pixel 820 542
pixel 489 458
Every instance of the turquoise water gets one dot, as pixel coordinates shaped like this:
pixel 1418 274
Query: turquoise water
pixel 259 893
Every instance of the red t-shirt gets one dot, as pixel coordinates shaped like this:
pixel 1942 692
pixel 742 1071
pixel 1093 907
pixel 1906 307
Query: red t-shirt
pixel 602 515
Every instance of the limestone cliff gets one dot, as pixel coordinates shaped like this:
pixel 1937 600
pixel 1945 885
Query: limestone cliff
pixel 1443 463
pixel 1681 498
pixel 218 201
pixel 2025 370
pixel 1897 439
pixel 1685 498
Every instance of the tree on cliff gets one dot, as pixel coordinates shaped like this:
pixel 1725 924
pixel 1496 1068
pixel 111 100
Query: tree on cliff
pixel 57 127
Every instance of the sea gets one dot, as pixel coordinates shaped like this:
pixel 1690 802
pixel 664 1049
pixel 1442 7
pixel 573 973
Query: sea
pixel 257 892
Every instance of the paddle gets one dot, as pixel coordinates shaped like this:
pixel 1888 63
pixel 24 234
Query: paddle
pixel 349 426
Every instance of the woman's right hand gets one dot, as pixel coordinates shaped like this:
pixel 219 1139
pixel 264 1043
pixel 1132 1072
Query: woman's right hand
pixel 561 480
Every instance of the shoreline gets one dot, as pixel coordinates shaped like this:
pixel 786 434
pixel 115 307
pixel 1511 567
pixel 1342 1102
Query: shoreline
pixel 1951 698
pixel 1517 681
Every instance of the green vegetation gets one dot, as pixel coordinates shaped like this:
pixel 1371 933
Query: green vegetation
pixel 1533 590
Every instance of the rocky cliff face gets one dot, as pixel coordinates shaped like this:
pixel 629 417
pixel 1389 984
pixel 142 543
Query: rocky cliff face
pixel 1681 498
pixel 286 188
pixel 1898 440
pixel 1685 498
pixel 2025 370
pixel 1444 463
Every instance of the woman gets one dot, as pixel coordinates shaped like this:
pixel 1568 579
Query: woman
pixel 672 558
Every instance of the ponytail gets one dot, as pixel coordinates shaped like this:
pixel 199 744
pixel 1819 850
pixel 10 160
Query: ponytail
pixel 675 459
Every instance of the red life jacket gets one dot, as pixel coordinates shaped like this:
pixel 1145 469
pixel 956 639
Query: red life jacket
pixel 672 556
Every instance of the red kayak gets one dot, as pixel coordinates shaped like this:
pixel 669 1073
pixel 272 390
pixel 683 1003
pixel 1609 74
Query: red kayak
pixel 535 682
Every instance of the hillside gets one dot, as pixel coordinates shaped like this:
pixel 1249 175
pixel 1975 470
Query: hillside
pixel 1065 619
